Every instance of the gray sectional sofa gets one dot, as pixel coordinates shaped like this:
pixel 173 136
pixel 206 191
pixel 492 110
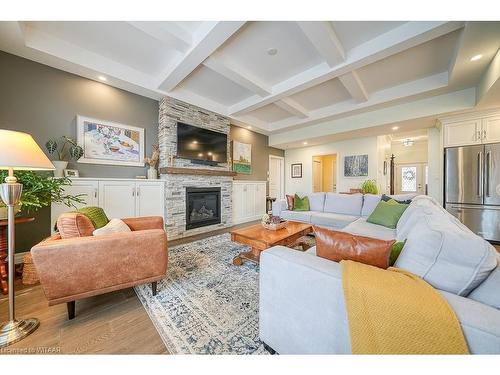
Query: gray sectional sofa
pixel 302 307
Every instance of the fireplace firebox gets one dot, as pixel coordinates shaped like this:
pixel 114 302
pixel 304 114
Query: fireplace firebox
pixel 202 207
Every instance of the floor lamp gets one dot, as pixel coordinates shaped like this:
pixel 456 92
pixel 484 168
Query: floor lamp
pixel 17 151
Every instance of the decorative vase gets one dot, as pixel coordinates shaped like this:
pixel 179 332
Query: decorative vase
pixel 152 173
pixel 60 167
pixel 4 211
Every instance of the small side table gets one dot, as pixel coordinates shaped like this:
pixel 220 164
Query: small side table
pixel 4 287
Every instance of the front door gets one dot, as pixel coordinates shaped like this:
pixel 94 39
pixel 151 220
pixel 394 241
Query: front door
pixel 411 178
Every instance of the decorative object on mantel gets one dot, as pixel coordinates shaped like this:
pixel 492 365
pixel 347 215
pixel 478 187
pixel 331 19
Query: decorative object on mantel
pixel 356 166
pixel 71 173
pixel 297 170
pixel 197 171
pixel 272 222
pixel 66 149
pixel 242 157
pixel 106 142
pixel 152 161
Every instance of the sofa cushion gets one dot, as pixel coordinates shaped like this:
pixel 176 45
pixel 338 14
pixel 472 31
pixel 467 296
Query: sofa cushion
pixel 370 201
pixel 363 228
pixel 337 246
pixel 387 214
pixel 74 224
pixel 289 201
pixel 316 201
pixel 446 255
pixel 329 219
pixel 96 215
pixel 347 204
pixel 114 226
pixel 300 204
pixel 488 292
pixel 303 216
pixel 402 198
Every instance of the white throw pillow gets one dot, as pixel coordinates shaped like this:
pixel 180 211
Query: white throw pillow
pixel 114 226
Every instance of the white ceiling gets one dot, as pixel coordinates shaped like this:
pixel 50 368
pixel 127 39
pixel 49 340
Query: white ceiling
pixel 323 72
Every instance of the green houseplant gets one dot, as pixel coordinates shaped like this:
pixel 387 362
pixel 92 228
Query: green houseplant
pixel 65 149
pixel 369 187
pixel 40 190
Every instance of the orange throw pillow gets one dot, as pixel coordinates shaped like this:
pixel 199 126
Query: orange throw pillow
pixel 339 246
pixel 289 201
pixel 73 224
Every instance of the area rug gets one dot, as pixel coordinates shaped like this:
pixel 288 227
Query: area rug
pixel 206 305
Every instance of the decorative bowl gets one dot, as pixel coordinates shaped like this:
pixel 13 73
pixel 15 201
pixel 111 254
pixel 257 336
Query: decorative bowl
pixel 277 226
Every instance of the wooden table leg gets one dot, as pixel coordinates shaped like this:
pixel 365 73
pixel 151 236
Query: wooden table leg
pixel 3 261
pixel 252 255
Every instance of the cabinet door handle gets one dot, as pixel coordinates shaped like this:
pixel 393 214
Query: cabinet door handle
pixel 95 193
pixel 133 192
pixel 138 191
pixel 484 134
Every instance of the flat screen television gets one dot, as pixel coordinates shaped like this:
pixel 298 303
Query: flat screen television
pixel 201 145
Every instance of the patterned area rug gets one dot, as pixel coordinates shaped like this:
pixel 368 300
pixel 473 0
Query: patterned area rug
pixel 206 305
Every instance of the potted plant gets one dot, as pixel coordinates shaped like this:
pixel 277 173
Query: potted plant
pixel 369 187
pixel 39 190
pixel 65 148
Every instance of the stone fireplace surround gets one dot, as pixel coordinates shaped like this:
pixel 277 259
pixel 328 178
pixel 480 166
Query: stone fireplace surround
pixel 172 111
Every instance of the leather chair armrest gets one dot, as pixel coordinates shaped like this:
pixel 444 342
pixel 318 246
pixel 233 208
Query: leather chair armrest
pixel 84 265
pixel 144 222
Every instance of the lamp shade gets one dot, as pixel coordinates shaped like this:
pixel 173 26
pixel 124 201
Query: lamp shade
pixel 20 151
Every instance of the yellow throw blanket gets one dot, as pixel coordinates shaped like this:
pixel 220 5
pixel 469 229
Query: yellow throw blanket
pixel 395 312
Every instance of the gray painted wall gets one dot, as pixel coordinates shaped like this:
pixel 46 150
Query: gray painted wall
pixel 44 102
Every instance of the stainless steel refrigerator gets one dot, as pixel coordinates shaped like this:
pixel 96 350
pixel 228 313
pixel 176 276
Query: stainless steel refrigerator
pixel 472 187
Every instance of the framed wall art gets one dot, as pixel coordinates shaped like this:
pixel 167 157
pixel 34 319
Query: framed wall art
pixel 297 170
pixel 356 166
pixel 242 157
pixel 106 142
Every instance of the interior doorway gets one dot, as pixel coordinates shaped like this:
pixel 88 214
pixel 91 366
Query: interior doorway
pixel 276 177
pixel 324 173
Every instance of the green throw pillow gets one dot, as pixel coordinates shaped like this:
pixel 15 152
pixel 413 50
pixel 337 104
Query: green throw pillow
pixel 395 251
pixel 387 214
pixel 300 204
pixel 96 216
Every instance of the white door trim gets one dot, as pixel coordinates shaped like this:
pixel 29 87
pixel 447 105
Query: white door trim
pixel 282 176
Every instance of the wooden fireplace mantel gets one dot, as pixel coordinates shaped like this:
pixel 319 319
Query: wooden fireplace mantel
pixel 197 171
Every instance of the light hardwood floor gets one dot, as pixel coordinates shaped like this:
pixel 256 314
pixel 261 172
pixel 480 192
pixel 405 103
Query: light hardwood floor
pixel 113 323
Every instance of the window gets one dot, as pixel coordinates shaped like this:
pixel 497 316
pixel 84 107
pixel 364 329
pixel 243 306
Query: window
pixel 409 179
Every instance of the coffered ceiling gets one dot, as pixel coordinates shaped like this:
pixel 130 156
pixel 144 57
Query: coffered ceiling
pixel 281 78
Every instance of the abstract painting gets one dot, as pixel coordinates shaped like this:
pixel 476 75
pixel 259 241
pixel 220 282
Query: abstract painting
pixel 242 157
pixel 356 166
pixel 106 142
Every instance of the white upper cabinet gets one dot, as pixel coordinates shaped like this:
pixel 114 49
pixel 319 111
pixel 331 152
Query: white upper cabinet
pixel 471 129
pixel 491 130
pixel 462 133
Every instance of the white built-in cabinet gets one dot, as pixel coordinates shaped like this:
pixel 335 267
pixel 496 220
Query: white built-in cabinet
pixel 118 197
pixel 249 200
pixel 471 129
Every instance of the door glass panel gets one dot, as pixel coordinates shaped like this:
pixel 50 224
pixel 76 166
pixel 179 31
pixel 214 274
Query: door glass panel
pixel 409 179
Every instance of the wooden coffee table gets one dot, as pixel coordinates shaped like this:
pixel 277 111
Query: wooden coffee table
pixel 260 239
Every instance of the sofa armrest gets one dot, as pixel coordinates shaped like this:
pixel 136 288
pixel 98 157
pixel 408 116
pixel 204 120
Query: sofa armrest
pixel 480 323
pixel 301 309
pixel 74 268
pixel 144 222
pixel 278 206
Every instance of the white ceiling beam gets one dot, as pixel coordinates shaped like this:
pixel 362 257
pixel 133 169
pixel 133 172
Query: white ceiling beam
pixel 325 132
pixel 166 32
pixel 405 91
pixel 322 36
pixel 292 107
pixel 354 86
pixel 237 75
pixel 212 36
pixel 397 40
pixel 488 89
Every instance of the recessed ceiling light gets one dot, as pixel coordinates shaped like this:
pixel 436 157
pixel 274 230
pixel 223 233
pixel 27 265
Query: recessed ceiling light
pixel 272 51
pixel 200 155
pixel 195 142
pixel 209 153
pixel 304 143
pixel 249 127
pixel 476 57
pixel 395 127
pixel 102 78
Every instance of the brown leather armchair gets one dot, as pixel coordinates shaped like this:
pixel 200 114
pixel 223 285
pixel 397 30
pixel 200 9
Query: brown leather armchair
pixel 80 267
